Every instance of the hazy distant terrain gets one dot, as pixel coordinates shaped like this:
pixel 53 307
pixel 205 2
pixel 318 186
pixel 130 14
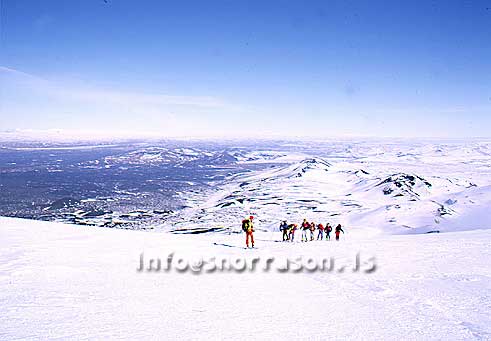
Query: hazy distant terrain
pixel 129 185
pixel 406 186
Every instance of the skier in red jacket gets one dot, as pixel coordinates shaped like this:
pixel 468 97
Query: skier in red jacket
pixel 248 228
pixel 320 236
pixel 312 229
pixel 292 228
pixel 305 228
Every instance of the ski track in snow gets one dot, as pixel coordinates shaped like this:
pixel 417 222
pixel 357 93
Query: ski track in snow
pixel 71 282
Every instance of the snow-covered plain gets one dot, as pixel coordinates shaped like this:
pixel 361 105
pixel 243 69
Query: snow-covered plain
pixel 72 282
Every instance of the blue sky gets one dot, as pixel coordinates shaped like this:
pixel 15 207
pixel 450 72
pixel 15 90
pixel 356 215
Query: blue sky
pixel 235 68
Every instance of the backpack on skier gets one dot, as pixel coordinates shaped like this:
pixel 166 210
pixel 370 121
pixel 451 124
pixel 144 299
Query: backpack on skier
pixel 283 225
pixel 245 225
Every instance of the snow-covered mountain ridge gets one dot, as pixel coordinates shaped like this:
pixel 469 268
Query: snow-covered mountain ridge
pixel 434 192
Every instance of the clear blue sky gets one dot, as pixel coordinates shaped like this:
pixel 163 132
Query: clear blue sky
pixel 370 68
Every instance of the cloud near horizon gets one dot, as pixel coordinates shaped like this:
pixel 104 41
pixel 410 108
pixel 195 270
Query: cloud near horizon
pixel 62 105
pixel 31 102
pixel 119 97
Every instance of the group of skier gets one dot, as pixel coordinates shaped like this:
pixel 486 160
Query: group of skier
pixel 308 231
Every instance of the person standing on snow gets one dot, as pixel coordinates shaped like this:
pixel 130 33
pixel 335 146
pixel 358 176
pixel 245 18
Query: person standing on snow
pixel 320 235
pixel 305 228
pixel 248 228
pixel 284 229
pixel 291 231
pixel 312 229
pixel 328 230
pixel 338 231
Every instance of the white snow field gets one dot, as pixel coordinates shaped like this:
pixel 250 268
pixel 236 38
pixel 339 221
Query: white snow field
pixel 391 187
pixel 69 282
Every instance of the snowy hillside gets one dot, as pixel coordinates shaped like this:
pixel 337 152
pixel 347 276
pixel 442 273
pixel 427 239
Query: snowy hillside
pixel 79 281
pixel 390 189
pixel 389 186
pixel 74 282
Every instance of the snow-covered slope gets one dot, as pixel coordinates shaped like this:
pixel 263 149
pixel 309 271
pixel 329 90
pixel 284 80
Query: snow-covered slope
pixel 390 189
pixel 70 282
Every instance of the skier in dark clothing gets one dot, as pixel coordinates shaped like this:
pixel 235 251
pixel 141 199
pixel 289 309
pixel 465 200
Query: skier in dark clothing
pixel 338 231
pixel 284 229
pixel 328 230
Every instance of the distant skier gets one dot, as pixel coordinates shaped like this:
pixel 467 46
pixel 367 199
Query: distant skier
pixel 328 230
pixel 312 229
pixel 338 231
pixel 284 229
pixel 305 229
pixel 320 235
pixel 248 228
pixel 291 231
